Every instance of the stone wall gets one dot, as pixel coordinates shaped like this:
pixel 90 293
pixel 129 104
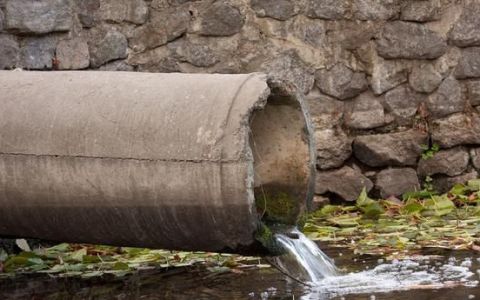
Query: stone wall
pixel 384 79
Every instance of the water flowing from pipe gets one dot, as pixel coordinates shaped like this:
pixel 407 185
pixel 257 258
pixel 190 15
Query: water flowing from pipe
pixel 303 259
pixel 305 262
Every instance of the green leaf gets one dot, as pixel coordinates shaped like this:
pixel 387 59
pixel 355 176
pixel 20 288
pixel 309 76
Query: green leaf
pixel 23 260
pixel 56 269
pixel 90 259
pixel 458 190
pixel 15 262
pixel 418 195
pixel 373 210
pixel 64 247
pixel 474 184
pixel 27 254
pixel 120 266
pixel 438 206
pixel 344 221
pixel 363 198
pixel 329 210
pixel 35 261
pixel 412 207
pixel 77 255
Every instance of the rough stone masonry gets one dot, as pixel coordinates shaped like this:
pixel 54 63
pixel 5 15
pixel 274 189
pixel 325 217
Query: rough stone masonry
pixel 384 79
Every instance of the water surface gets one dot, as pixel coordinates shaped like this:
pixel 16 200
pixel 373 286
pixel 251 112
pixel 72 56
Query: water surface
pixel 439 275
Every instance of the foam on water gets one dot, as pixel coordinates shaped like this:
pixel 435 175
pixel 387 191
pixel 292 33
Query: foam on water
pixel 305 261
pixel 394 276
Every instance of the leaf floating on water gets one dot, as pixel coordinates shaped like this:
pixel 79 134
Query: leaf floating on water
pixel 329 210
pixel 90 259
pixel 422 219
pixel 120 266
pixel 371 208
pixel 412 206
pixel 87 261
pixel 438 206
pixel 61 248
pixel 423 194
pixel 78 255
pixel 344 220
pixel 22 244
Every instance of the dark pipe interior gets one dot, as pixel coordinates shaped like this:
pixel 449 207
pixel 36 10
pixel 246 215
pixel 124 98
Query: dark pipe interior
pixel 281 160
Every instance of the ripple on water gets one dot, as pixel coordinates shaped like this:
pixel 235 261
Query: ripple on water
pixel 395 276
pixel 306 262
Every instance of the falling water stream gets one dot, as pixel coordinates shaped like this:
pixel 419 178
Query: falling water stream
pixel 305 262
pixel 430 274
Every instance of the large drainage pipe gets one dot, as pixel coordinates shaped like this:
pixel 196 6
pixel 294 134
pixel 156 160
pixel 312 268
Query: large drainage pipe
pixel 169 161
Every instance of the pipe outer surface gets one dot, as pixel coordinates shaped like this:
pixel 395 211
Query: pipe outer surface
pixel 129 159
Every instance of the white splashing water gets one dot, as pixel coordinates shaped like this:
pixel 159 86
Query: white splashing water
pixel 304 258
pixel 395 276
pixel 306 262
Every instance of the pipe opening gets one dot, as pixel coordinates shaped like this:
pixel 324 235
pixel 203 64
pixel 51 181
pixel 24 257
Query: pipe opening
pixel 282 160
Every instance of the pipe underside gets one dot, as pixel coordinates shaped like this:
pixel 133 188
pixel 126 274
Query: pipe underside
pixel 146 160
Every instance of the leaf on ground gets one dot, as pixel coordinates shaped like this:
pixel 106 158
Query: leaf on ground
pixel 458 189
pixel 329 210
pixel 474 184
pixel 418 194
pixel 412 206
pixel 371 208
pixel 438 206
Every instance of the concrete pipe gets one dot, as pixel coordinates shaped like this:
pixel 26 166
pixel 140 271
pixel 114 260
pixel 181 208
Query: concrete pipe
pixel 168 161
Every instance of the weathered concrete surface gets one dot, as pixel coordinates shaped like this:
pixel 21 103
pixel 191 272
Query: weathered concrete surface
pixel 148 160
pixel 420 58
